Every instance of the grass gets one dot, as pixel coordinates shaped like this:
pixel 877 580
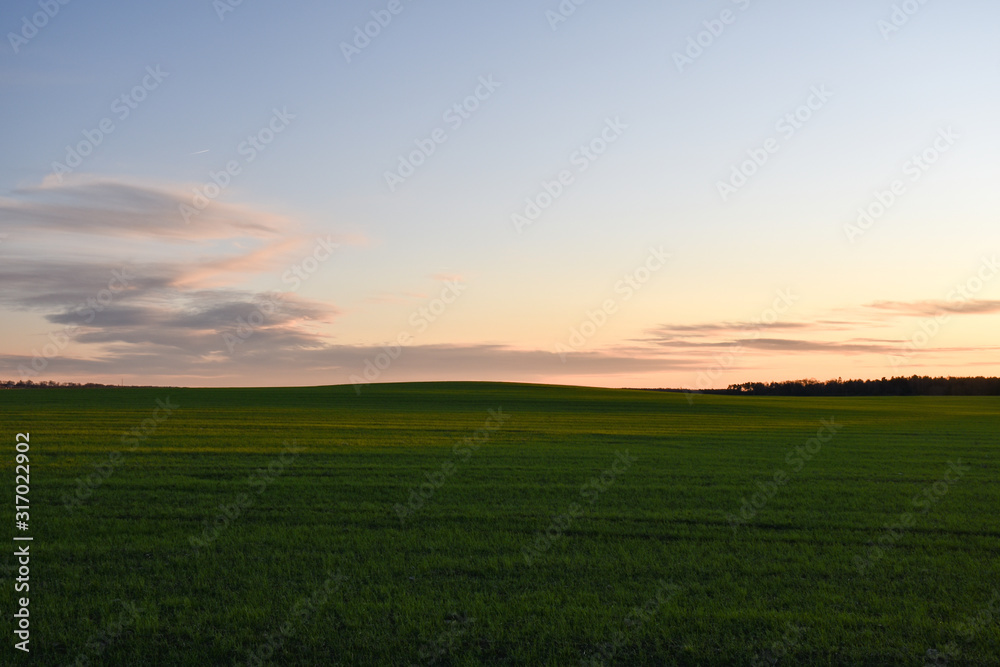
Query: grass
pixel 270 523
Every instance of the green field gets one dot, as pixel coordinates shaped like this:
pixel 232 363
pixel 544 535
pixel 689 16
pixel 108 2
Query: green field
pixel 556 526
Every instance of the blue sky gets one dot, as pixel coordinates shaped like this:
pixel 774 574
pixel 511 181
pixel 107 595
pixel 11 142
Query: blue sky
pixel 887 82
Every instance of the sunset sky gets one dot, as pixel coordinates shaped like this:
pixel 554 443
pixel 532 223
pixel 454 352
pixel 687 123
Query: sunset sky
pixel 683 194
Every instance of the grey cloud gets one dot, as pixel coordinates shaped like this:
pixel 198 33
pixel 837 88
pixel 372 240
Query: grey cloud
pixel 119 209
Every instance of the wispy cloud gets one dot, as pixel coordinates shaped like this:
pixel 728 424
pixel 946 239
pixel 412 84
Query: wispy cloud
pixel 840 331
pixel 132 302
pixel 931 308
pixel 719 328
pixel 121 209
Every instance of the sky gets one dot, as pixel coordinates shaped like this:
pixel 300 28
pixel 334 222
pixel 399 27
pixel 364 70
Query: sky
pixel 633 194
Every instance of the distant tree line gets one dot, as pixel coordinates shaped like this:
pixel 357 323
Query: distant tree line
pixel 49 384
pixel 897 386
